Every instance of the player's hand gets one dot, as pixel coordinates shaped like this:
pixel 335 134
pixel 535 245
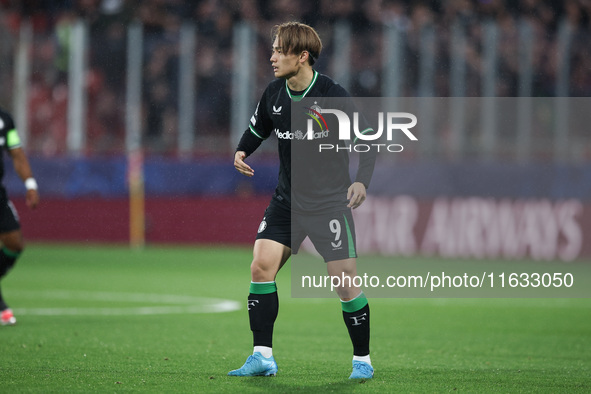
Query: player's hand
pixel 32 198
pixel 240 165
pixel 356 195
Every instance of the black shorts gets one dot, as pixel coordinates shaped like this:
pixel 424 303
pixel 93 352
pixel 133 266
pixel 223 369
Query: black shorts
pixel 331 233
pixel 8 216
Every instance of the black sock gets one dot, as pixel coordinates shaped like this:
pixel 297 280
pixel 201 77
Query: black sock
pixel 356 317
pixel 7 260
pixel 263 306
pixel 2 303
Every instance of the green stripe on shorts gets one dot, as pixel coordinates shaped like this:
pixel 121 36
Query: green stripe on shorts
pixel 352 253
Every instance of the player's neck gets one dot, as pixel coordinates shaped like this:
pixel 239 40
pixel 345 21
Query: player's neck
pixel 301 80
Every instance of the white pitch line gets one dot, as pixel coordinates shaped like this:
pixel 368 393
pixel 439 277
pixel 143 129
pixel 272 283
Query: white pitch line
pixel 188 304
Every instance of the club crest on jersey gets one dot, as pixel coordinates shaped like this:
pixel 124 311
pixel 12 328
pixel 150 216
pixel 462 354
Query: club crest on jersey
pixel 315 114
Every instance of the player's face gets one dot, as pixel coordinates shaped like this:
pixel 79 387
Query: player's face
pixel 284 65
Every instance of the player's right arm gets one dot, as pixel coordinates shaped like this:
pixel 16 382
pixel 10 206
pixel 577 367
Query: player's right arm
pixel 240 165
pixel 258 130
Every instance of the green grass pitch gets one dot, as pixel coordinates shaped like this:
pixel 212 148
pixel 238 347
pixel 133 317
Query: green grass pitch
pixel 90 319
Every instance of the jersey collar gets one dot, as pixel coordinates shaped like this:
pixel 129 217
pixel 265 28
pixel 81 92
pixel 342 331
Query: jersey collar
pixel 301 96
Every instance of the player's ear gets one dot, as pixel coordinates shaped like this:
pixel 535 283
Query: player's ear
pixel 305 56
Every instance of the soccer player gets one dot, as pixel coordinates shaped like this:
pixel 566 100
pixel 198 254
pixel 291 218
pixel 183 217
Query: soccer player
pixel 295 49
pixel 10 234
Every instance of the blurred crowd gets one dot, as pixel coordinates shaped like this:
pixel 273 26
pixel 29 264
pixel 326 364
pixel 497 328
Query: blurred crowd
pixel 108 20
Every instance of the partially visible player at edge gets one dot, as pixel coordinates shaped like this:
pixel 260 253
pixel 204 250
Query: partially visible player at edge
pixel 295 49
pixel 10 231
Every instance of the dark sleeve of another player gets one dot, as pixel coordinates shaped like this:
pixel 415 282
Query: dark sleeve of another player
pixel 258 129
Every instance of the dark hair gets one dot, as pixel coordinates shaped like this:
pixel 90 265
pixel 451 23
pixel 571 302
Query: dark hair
pixel 296 37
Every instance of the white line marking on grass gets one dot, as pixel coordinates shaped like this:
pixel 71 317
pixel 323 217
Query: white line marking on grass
pixel 188 304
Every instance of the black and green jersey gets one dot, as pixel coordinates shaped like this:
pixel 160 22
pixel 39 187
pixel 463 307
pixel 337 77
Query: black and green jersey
pixel 9 138
pixel 321 178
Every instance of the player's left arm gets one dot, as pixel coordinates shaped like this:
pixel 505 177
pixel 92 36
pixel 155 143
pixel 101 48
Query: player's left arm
pixel 357 192
pixel 23 169
pixel 356 195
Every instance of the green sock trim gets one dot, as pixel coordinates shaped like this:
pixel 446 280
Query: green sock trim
pixel 355 304
pixel 10 253
pixel 263 287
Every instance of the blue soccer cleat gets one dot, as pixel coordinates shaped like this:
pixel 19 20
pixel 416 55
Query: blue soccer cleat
pixel 256 365
pixel 361 370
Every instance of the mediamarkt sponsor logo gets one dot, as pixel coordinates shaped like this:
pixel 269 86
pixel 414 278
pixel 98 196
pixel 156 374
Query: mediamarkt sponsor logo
pixel 299 135
pixel 284 135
